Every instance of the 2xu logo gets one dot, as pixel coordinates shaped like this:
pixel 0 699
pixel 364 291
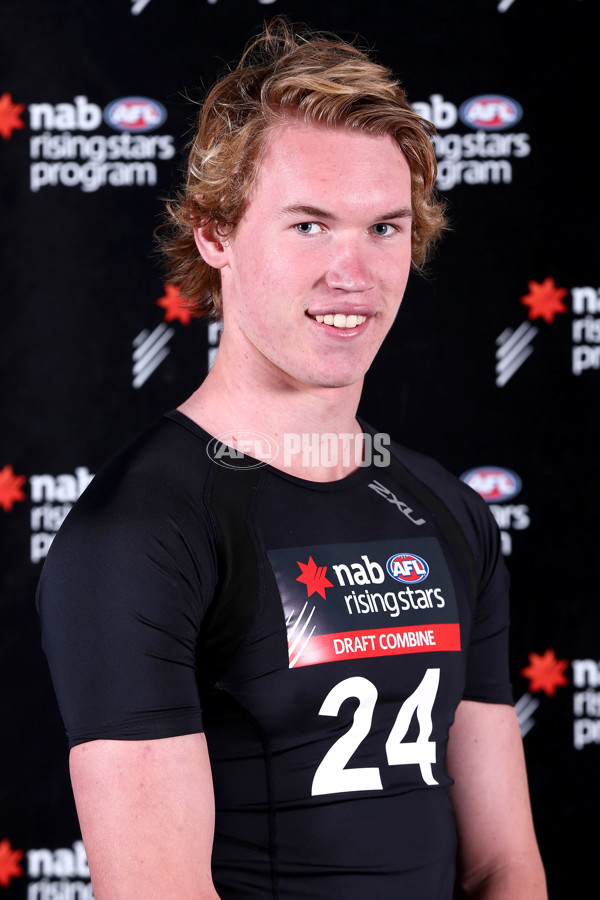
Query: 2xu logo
pixel 407 568
pixel 493 483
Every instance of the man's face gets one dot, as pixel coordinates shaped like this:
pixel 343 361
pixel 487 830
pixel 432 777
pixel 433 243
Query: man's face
pixel 314 273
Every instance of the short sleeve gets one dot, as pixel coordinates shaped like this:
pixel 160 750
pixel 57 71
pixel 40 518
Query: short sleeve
pixel 121 598
pixel 488 678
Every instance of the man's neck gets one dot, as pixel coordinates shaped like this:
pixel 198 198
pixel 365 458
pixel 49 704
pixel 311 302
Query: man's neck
pixel 313 430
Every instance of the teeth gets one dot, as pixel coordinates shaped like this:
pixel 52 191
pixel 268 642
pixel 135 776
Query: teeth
pixel 339 320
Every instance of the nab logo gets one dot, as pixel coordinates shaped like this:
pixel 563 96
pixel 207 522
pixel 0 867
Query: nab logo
pixel 407 567
pixel 135 114
pixel 490 112
pixel 314 577
pixel 492 483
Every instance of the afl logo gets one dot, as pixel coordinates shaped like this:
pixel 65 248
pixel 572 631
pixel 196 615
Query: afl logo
pixel 407 567
pixel 135 114
pixel 490 112
pixel 244 450
pixel 492 483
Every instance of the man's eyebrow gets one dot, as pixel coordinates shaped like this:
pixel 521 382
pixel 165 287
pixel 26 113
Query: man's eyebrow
pixel 313 212
pixel 405 212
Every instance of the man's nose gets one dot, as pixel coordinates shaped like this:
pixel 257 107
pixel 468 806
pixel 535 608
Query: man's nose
pixel 349 269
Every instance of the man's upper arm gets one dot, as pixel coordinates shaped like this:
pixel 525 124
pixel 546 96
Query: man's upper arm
pixel 498 855
pixel 146 811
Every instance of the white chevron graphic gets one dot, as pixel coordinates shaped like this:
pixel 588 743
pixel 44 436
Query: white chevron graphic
pixel 513 349
pixel 525 708
pixel 150 348
pixel 293 644
pixel 137 6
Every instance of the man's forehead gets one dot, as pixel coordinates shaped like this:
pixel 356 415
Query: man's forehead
pixel 321 158
pixel 294 135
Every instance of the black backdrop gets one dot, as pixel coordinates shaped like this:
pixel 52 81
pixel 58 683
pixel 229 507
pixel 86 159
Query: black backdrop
pixel 492 366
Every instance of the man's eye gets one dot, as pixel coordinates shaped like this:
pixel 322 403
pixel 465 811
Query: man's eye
pixel 308 228
pixel 382 229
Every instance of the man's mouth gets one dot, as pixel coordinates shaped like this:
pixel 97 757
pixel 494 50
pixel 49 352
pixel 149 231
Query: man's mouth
pixel 339 320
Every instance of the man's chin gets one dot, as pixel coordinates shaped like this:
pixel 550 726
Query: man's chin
pixel 338 382
pixel 327 380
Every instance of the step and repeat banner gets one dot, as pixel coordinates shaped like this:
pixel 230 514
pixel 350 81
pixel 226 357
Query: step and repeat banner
pixel 493 365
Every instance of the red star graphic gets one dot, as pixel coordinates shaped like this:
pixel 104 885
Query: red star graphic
pixel 313 576
pixel 9 863
pixel 10 487
pixel 544 300
pixel 9 116
pixel 175 306
pixel 545 672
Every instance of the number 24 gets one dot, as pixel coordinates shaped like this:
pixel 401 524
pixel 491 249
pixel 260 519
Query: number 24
pixel 332 776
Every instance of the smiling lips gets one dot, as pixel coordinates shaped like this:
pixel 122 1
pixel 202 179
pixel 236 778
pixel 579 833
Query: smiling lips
pixel 339 320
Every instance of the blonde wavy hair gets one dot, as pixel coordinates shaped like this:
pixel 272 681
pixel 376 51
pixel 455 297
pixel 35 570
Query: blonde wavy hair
pixel 283 73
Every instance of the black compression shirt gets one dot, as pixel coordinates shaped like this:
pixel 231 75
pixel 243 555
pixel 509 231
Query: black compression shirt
pixel 321 634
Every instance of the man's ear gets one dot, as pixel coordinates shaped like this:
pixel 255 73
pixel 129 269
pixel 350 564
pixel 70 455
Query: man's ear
pixel 212 247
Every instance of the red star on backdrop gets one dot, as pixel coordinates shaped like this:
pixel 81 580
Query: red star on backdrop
pixel 544 300
pixel 10 487
pixel 9 863
pixel 10 116
pixel 545 672
pixel 175 306
pixel 313 576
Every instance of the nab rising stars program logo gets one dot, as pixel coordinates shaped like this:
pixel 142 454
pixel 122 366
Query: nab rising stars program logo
pixel 67 150
pixel 150 347
pixel 484 154
pixel 544 301
pixel 51 498
pixel 497 486
pixel 546 673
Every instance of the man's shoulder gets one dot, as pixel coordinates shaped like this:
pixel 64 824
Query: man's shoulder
pixel 161 473
pixel 468 508
pixel 429 470
pixel 170 450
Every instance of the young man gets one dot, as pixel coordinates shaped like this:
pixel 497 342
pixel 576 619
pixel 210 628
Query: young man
pixel 334 627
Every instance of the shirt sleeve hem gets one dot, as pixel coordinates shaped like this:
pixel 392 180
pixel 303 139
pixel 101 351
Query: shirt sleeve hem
pixel 493 694
pixel 137 731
